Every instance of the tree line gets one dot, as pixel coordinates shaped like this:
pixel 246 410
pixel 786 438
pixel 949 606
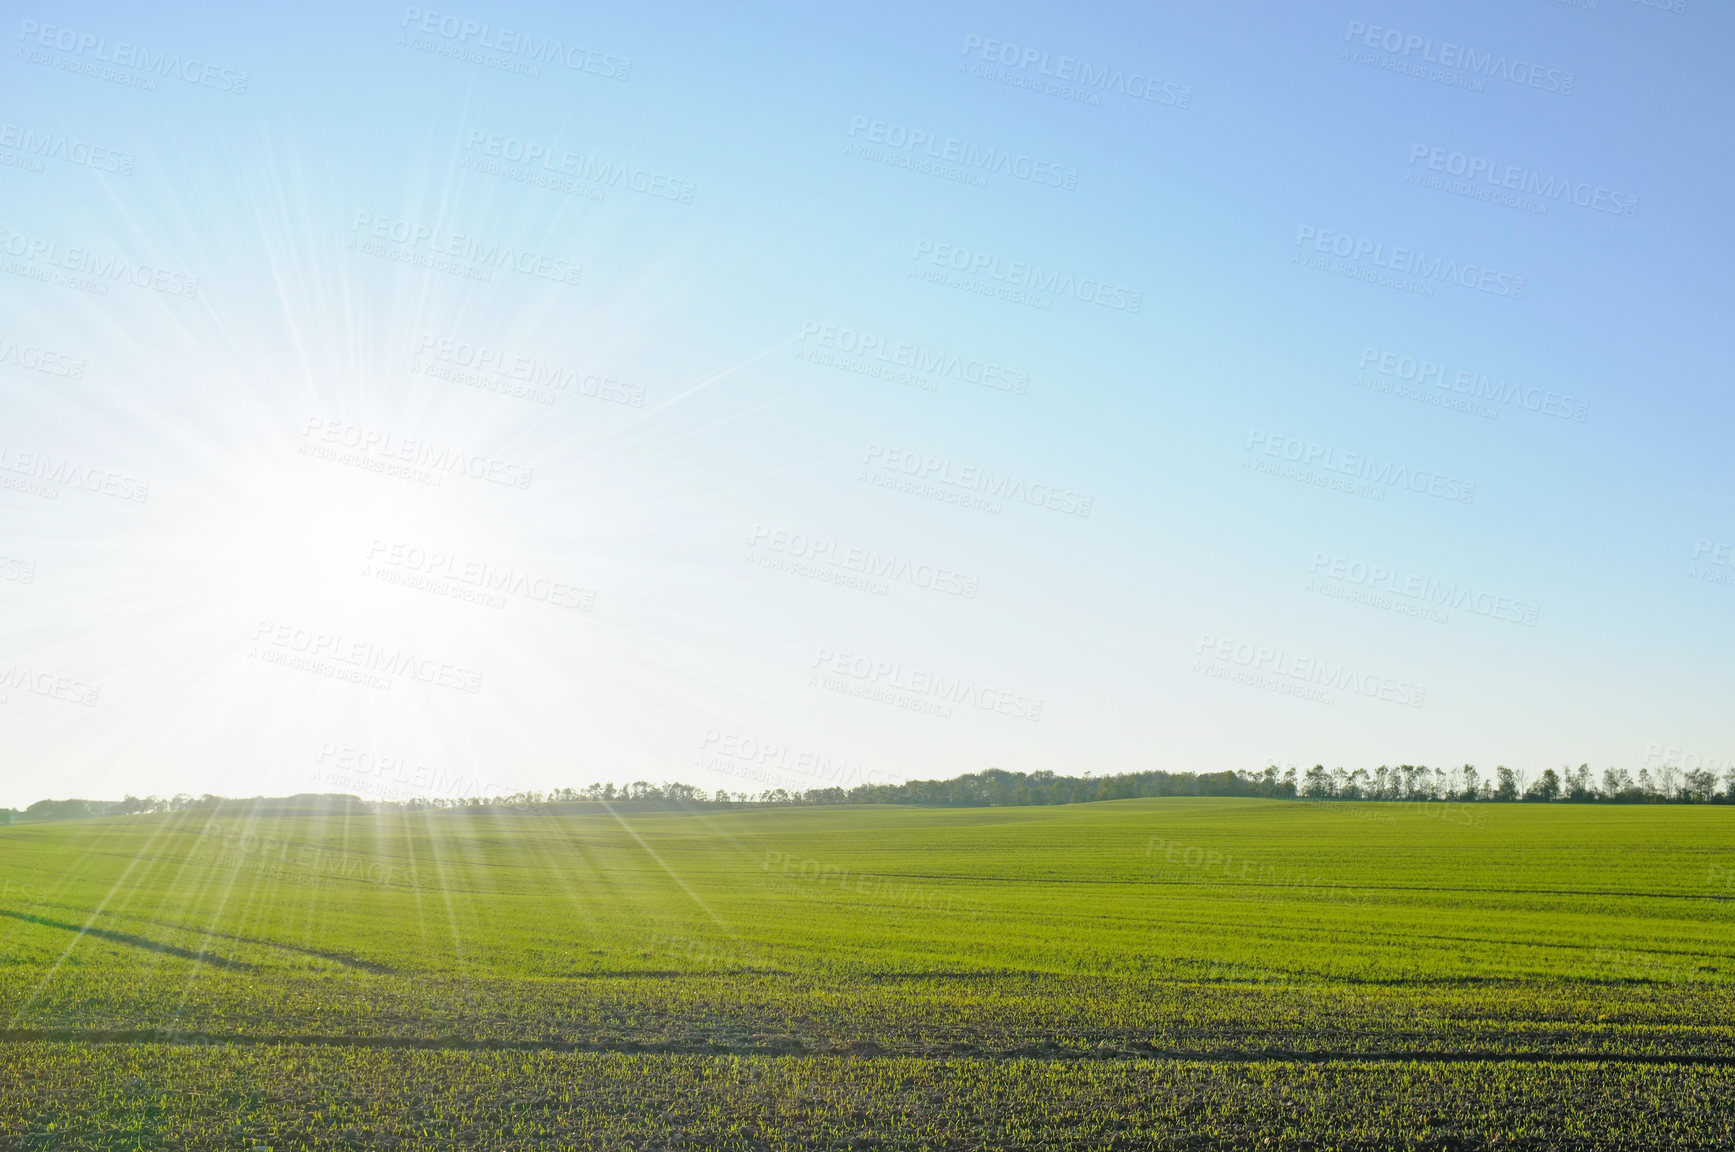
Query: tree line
pixel 995 788
pixel 1668 785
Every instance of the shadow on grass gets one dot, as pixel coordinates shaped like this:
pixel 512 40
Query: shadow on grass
pixel 335 957
pixel 134 941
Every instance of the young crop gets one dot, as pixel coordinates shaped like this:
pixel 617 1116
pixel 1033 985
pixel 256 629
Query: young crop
pixel 1144 974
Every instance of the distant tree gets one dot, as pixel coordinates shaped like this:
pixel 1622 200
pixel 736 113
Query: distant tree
pixel 1506 788
pixel 1617 783
pixel 1418 781
pixel 1317 783
pixel 1547 788
pixel 58 810
pixel 1698 785
pixel 1469 783
pixel 1669 781
pixel 1578 784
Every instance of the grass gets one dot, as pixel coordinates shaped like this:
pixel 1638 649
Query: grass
pixel 1147 973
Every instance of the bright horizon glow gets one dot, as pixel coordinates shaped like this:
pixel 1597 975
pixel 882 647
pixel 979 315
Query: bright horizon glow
pixel 637 533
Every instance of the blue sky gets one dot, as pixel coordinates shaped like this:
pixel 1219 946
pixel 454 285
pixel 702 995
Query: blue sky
pixel 406 399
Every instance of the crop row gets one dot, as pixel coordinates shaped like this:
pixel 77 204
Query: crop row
pixel 68 1097
pixel 929 1016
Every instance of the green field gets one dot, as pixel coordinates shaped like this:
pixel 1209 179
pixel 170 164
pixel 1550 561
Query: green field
pixel 1170 973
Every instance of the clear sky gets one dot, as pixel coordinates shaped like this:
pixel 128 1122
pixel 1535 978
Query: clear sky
pixel 400 399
